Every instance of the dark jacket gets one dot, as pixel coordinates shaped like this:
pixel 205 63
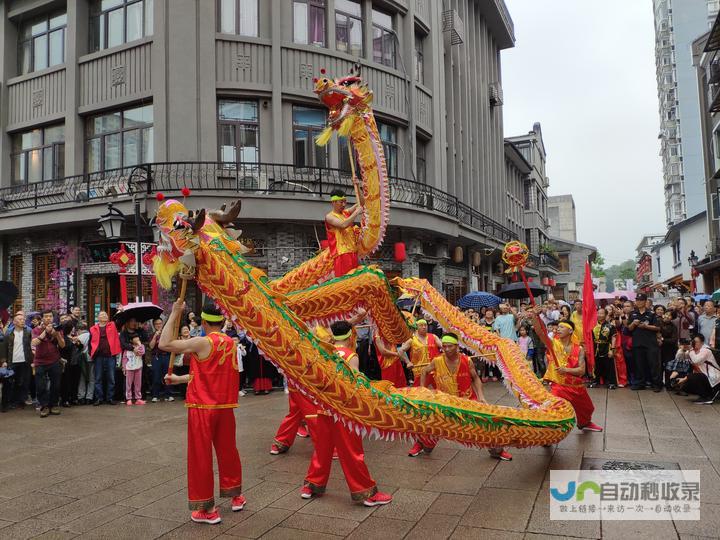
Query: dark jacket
pixel 8 344
pixel 127 335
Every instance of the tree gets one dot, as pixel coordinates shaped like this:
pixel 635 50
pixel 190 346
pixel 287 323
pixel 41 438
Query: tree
pixel 624 270
pixel 597 265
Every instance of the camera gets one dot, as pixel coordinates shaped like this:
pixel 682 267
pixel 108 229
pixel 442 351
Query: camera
pixel 674 383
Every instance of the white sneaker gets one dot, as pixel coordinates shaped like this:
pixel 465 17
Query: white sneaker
pixel 242 393
pixel 170 399
pixel 154 400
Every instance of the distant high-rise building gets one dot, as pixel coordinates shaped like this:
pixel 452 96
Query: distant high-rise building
pixel 677 24
pixel 561 214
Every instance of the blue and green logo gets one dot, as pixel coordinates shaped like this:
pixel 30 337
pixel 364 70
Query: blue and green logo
pixel 570 492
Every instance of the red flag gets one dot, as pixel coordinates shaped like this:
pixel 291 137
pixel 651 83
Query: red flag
pixel 589 318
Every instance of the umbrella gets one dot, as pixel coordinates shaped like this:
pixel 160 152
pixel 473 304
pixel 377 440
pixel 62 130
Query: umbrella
pixel 140 311
pixel 702 297
pixel 715 296
pixel 8 294
pixel 406 302
pixel 479 299
pixel 517 290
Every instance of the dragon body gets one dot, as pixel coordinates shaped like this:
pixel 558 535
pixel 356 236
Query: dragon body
pixel 277 314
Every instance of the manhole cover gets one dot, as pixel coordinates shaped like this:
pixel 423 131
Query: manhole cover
pixel 603 464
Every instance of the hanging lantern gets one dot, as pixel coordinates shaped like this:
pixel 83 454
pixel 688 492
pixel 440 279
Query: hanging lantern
pixel 553 282
pixel 530 280
pixel 324 244
pixel 476 258
pixel 399 253
pixel 457 254
pixel 546 281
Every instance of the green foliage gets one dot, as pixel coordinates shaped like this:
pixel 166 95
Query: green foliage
pixel 624 270
pixel 597 265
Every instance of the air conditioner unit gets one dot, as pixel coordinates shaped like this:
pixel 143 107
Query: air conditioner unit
pixel 452 24
pixel 496 94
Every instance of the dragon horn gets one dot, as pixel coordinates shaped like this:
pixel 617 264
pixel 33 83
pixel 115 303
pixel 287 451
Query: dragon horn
pixel 199 220
pixel 225 217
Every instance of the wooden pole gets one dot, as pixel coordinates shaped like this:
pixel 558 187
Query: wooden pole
pixel 184 278
pixel 352 169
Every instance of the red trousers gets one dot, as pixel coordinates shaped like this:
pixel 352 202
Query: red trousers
pixel 345 263
pixel 328 435
pixel 579 398
pixel 208 428
pixel 285 436
pixel 394 374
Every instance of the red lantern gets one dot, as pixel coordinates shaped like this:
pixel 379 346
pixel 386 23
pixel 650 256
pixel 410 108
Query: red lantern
pixel 400 254
pixel 546 281
pixel 553 282
pixel 530 280
pixel 324 244
pixel 185 191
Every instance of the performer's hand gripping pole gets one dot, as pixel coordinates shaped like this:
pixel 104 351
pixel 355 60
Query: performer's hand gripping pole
pixel 187 273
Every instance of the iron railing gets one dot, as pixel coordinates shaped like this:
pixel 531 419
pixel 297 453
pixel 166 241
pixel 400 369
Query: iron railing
pixel 266 179
pixel 546 259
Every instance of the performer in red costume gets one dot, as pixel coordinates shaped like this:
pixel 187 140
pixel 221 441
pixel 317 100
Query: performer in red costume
pixel 565 376
pixel 342 234
pixel 454 374
pixel 211 397
pixel 292 424
pixel 423 347
pixel 391 368
pixel 328 434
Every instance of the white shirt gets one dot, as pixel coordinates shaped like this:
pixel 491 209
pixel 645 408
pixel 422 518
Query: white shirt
pixel 18 355
pixel 134 361
pixel 705 362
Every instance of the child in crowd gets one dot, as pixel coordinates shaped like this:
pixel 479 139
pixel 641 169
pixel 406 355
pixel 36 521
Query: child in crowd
pixel 526 344
pixel 132 363
pixel 678 367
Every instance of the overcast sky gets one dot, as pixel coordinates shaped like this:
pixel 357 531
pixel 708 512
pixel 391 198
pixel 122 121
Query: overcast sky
pixel 586 71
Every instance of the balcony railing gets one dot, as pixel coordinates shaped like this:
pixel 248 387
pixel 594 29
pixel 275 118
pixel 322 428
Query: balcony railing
pixel 546 259
pixel 262 179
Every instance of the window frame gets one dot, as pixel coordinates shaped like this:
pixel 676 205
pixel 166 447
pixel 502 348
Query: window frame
pixel 58 150
pixel 563 258
pixel 237 125
pixel 236 32
pixel 312 4
pixel 102 16
pixel 44 264
pixel 361 20
pixel 31 41
pixel 390 149
pixel 313 130
pixel 419 54
pixel 122 131
pixel 421 159
pixel 16 275
pixel 383 31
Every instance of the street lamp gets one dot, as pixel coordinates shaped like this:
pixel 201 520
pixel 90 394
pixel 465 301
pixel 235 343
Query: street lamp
pixel 692 261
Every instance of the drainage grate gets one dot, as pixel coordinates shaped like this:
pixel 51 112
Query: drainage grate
pixel 603 464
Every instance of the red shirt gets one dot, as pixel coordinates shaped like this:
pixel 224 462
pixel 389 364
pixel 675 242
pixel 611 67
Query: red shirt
pixel 214 381
pixel 47 351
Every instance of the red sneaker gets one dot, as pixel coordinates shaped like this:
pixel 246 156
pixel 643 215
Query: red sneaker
pixel 591 427
pixel 378 499
pixel 416 450
pixel 275 449
pixel 503 455
pixel 140 402
pixel 306 492
pixel 303 432
pixel 128 402
pixel 335 455
pixel 203 516
pixel 238 503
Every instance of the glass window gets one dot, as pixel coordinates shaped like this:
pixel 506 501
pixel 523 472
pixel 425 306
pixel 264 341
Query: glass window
pixel 419 60
pixel 421 161
pixel 114 22
pixel 388 135
pixel 308 122
pixel 38 155
pixel 119 139
pixel 238 17
pixel 348 27
pixel 309 22
pixel 239 140
pixel 383 38
pixel 42 43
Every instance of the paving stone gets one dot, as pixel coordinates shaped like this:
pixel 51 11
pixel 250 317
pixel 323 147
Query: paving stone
pixel 199 531
pixel 80 507
pixel 153 494
pixel 259 523
pixel 91 520
pixel 450 504
pixel 523 472
pixel 463 532
pixel 320 524
pixel 408 504
pixel 433 527
pixel 174 507
pixel 380 527
pixel 284 533
pixel 463 485
pixel 638 530
pixel 292 501
pixel 708 525
pixel 267 492
pixel 131 526
pixel 540 520
pixel 33 504
pixel 334 504
pixel 55 535
pixel 677 446
pixel 628 443
pixel 28 528
pixel 505 509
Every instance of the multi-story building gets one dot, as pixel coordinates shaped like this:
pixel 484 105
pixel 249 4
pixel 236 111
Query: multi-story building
pixel 561 214
pixel 677 24
pixel 113 101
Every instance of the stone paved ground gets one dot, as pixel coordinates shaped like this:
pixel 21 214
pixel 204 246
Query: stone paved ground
pixel 119 472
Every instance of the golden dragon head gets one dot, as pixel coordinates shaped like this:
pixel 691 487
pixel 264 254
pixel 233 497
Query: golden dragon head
pixel 345 98
pixel 183 231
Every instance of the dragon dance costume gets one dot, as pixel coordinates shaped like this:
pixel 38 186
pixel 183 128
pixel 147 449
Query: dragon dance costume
pixel 211 397
pixel 569 387
pixel 328 435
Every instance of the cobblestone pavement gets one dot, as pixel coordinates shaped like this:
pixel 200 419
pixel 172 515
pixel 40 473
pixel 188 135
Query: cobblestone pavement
pixel 119 472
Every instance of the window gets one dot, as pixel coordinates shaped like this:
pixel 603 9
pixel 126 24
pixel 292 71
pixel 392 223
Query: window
pixel 563 263
pixel 38 155
pixel 421 160
pixel 114 22
pixel 676 253
pixel 715 206
pixel 388 135
pixel 309 22
pixel 44 264
pixel 308 122
pixel 419 60
pixel 344 157
pixel 657 265
pixel 42 43
pixel 383 38
pixel 16 274
pixel 348 27
pixel 119 139
pixel 238 131
pixel 238 17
